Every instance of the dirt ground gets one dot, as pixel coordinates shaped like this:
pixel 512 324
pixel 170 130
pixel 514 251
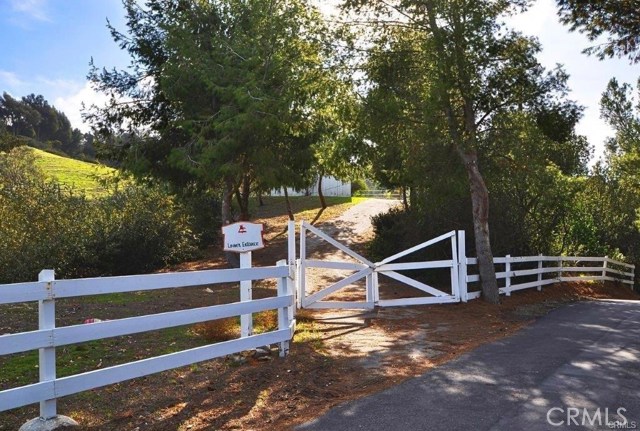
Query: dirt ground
pixel 336 355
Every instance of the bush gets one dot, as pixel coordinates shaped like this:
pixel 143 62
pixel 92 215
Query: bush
pixel 358 186
pixel 43 225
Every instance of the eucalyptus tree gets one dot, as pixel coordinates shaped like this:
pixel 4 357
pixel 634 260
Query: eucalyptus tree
pixel 227 91
pixel 474 68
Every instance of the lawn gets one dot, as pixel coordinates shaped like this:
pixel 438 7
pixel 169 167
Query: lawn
pixel 82 177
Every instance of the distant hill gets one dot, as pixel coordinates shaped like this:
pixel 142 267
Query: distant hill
pixel 82 177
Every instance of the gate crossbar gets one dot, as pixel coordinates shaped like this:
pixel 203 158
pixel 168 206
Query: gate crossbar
pixel 337 286
pixel 335 243
pixel 414 283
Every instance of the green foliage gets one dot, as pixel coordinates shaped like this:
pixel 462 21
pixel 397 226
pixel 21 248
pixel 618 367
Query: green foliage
pixel 618 19
pixel 43 225
pixel 358 185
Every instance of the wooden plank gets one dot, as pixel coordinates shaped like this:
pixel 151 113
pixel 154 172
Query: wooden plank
pixel 133 283
pixel 120 373
pixel 415 265
pixel 337 286
pixel 474 295
pixel 584 278
pixel 473 278
pixel 414 283
pixel 347 305
pixel 418 247
pixel 25 395
pixel 597 269
pixel 418 301
pixel 23 292
pixel 347 266
pixel 66 335
pixel 615 271
pixel 336 244
pixel 617 262
pixel 581 259
pixel 533 284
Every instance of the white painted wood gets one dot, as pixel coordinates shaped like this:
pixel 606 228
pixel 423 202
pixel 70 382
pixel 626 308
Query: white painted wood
pixel 25 395
pixel 417 301
pixel 337 244
pixel 23 292
pixel 617 262
pixel 462 267
pixel 106 376
pixel 284 318
pixel 454 268
pixel 475 277
pixel 246 294
pixel 604 266
pixel 414 283
pixel 376 287
pixel 540 269
pixel 47 355
pixel 507 270
pixel 347 266
pixel 317 296
pixel 597 269
pixel 531 284
pixel 291 242
pixel 133 283
pixel 581 259
pixel 347 305
pixel 415 265
pixel 417 247
pixel 24 341
pixel 474 295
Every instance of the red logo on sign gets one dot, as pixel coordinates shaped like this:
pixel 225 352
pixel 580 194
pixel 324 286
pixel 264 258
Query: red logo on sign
pixel 242 229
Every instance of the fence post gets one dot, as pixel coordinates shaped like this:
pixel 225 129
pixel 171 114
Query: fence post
pixel 292 262
pixel 302 276
pixel 285 314
pixel 370 295
pixel 246 320
pixel 47 355
pixel 507 275
pixel 540 273
pixel 604 268
pixel 462 267
pixel 376 287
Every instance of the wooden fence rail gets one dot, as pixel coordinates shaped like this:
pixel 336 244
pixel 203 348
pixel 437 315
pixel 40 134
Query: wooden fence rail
pixel 563 268
pixel 48 337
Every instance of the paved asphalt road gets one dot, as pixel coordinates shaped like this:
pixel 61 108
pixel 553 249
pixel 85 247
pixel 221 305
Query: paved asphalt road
pixel 578 360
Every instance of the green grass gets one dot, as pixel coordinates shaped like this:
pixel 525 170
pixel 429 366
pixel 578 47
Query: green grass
pixel 82 177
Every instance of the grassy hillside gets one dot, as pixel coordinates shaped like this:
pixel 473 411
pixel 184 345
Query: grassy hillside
pixel 81 176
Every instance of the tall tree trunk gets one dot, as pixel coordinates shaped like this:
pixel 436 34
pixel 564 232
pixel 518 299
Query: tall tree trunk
pixel 233 260
pixel 405 201
pixel 323 202
pixel 245 193
pixel 480 208
pixel 288 203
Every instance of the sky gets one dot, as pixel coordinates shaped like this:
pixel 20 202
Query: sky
pixel 46 46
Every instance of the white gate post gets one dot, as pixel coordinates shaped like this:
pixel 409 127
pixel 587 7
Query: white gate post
pixel 376 287
pixel 246 320
pixel 507 275
pixel 462 267
pixel 47 355
pixel 302 273
pixel 559 269
pixel 604 268
pixel 291 256
pixel 455 269
pixel 540 273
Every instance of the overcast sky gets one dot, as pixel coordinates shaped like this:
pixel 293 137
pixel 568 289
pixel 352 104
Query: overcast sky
pixel 46 45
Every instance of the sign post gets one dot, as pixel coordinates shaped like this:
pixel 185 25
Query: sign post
pixel 243 238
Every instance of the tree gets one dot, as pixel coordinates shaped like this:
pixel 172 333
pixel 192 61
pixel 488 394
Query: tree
pixel 618 19
pixel 229 91
pixel 477 69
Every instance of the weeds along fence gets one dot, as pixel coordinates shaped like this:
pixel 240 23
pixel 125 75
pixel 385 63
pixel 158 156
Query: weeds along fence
pixel 49 337
pixel 527 272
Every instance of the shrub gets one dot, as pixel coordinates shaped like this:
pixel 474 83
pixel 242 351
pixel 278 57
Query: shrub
pixel 43 225
pixel 358 186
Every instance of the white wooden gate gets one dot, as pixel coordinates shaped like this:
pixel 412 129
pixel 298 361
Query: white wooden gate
pixel 312 296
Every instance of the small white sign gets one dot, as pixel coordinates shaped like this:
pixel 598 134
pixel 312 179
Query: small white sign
pixel 242 237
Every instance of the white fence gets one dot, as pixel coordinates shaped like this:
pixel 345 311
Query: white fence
pixel 515 273
pixel 527 272
pixel 48 337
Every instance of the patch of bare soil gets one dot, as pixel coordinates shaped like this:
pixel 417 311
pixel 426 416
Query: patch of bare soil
pixel 337 356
